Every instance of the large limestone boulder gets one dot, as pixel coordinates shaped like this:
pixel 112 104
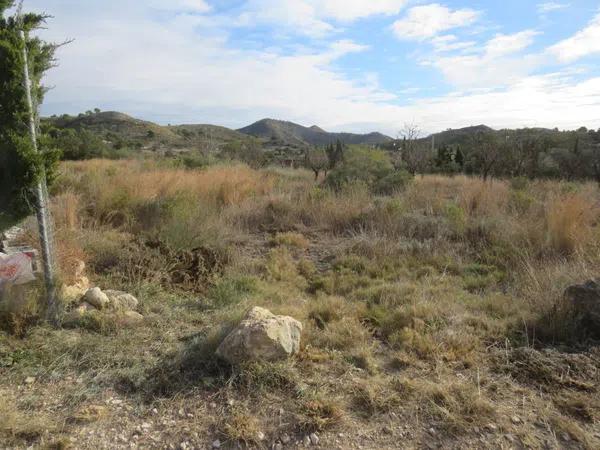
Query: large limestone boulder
pixel 585 299
pixel 96 298
pixel 121 300
pixel 261 336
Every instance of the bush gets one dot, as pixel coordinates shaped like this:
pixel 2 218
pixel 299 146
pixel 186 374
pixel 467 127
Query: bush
pixel 369 167
pixel 392 183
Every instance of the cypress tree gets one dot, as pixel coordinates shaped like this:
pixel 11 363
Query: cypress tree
pixel 20 165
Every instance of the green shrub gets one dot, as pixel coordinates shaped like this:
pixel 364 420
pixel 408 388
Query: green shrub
pixel 395 181
pixel 230 291
pixel 372 168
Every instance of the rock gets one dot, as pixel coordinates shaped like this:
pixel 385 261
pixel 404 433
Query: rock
pixel 121 300
pixel 491 427
pixel 278 446
pixel 285 438
pixel 29 380
pixel 585 299
pixel 314 439
pixel 96 298
pixel 515 419
pixel 306 441
pixel 130 319
pixel 261 336
pixel 260 436
pixel 216 444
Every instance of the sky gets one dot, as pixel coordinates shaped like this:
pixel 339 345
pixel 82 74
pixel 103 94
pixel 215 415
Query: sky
pixel 351 65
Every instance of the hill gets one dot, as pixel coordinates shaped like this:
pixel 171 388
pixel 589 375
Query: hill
pixel 119 129
pixel 293 134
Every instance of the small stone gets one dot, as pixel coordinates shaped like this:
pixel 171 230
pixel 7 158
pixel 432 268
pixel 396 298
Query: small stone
pixel 491 427
pixel 432 430
pixel 231 402
pixel 146 426
pixel 260 436
pixel 565 436
pixel 216 444
pixel 387 430
pixel 213 405
pixel 306 441
pixel 154 411
pixel 285 438
pixel 278 446
pixel 181 413
pixel 515 419
pixel 314 439
pixel 29 380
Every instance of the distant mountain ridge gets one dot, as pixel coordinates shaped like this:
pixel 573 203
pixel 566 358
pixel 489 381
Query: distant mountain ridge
pixel 292 133
pixel 111 125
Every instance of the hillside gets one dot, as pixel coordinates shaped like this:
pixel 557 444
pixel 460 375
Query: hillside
pixel 293 134
pixel 121 129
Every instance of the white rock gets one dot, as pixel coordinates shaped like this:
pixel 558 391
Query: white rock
pixel 261 336
pixel 130 318
pixel 260 436
pixel 121 300
pixel 285 438
pixel 96 298
pixel 216 444
pixel 306 441
pixel 314 439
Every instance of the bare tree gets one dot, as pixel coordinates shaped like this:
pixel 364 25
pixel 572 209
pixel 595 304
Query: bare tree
pixel 414 154
pixel 316 159
pixel 486 153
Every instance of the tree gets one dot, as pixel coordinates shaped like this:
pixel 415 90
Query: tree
pixel 20 165
pixel 371 168
pixel 486 151
pixel 335 154
pixel 459 159
pixel 415 156
pixel 317 160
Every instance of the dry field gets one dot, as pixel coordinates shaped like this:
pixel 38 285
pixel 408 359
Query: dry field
pixel 433 318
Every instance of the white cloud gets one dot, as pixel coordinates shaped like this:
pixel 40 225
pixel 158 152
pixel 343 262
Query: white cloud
pixel 192 6
pixel 497 63
pixel 427 21
pixel 449 42
pixel 547 7
pixel 505 44
pixel 348 10
pixel 313 17
pixel 583 43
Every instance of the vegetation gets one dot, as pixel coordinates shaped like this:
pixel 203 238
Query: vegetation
pixel 20 165
pixel 432 313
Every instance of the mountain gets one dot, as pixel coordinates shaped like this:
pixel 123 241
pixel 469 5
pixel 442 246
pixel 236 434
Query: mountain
pixel 293 134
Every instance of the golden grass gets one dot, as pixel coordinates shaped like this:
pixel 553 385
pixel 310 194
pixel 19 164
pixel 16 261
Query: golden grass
pixel 570 221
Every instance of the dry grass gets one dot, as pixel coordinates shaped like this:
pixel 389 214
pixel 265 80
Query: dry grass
pixel 408 303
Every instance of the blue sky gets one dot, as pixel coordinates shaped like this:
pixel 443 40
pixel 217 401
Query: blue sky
pixel 355 65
